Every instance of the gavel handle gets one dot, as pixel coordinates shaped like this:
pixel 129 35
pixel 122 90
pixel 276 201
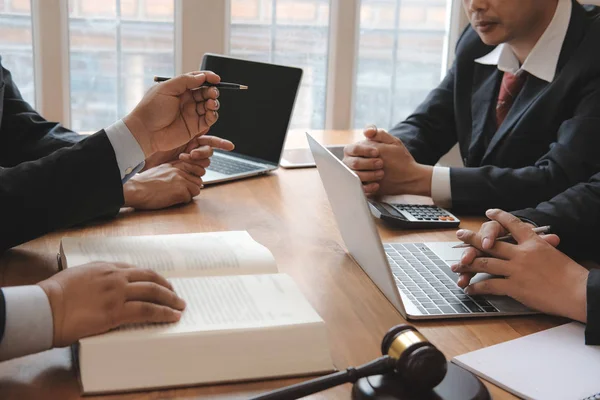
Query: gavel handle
pixel 379 366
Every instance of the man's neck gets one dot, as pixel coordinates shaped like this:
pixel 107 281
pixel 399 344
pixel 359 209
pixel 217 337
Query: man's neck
pixel 523 46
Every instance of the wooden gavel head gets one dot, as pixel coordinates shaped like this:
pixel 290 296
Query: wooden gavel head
pixel 419 364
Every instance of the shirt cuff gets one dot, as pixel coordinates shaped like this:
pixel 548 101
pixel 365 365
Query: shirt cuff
pixel 129 154
pixel 441 192
pixel 29 327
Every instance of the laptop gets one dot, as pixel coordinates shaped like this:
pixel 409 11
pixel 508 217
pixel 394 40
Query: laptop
pixel 415 277
pixel 255 120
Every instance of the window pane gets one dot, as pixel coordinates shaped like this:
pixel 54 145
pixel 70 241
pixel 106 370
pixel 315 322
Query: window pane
pixel 400 58
pixel 116 47
pixel 16 45
pixel 289 32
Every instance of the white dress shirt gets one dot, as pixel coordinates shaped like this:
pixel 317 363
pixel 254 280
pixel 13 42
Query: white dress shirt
pixel 541 63
pixel 29 326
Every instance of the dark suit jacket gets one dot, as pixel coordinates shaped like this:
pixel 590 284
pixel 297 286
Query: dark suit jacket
pixel 49 178
pixel 548 142
pixel 574 215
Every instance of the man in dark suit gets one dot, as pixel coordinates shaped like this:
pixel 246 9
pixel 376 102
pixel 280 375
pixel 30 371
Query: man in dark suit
pixel 533 271
pixel 73 184
pixel 522 101
pixel 165 179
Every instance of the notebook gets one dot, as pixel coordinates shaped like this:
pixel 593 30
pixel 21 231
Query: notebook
pixel 551 365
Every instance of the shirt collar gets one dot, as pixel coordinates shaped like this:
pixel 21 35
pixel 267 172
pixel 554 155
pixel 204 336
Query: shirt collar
pixel 542 62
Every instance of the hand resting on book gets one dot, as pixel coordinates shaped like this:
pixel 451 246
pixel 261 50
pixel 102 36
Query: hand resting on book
pixel 98 297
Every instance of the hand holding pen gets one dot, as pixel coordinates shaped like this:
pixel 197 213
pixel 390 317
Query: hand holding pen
pixel 488 236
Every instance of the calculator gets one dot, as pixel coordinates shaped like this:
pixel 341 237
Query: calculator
pixel 413 216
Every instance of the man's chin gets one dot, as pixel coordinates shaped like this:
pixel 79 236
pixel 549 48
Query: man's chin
pixel 492 40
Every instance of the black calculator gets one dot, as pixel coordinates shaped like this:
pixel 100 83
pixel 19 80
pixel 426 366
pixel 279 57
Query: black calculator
pixel 413 216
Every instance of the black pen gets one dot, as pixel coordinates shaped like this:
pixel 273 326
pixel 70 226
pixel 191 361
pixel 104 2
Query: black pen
pixel 221 85
pixel 542 230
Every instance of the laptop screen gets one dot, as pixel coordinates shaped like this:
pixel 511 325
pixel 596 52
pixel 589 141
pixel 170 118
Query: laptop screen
pixel 255 120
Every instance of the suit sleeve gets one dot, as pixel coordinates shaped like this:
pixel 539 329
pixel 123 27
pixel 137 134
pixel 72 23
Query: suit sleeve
pixel 430 132
pixel 24 134
pixel 574 215
pixel 592 330
pixel 571 159
pixel 68 187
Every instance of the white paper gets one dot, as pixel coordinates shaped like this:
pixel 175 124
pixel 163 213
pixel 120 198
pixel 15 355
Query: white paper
pixel 550 365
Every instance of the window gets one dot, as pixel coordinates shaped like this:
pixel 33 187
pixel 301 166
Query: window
pixel 400 58
pixel 16 45
pixel 393 52
pixel 116 47
pixel 289 32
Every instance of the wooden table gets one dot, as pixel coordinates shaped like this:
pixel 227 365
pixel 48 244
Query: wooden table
pixel 288 212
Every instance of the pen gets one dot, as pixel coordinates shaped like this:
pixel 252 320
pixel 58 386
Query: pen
pixel 221 85
pixel 540 231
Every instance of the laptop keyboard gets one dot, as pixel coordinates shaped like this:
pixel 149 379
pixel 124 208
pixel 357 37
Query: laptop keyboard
pixel 429 283
pixel 229 166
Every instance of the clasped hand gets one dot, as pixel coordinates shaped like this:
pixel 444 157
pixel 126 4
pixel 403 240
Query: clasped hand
pixel 176 181
pixel 386 167
pixel 532 271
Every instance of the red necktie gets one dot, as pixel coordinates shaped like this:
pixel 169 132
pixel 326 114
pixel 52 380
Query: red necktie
pixel 509 90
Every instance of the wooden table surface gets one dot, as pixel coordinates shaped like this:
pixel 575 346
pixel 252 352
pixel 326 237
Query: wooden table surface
pixel 288 212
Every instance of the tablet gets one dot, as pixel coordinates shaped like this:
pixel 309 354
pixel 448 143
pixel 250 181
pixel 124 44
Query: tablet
pixel 302 158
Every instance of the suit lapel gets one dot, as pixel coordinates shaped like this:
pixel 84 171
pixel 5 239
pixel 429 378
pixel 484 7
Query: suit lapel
pixel 486 81
pixel 578 25
pixel 531 91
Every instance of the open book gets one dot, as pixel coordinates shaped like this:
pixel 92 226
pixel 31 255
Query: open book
pixel 243 320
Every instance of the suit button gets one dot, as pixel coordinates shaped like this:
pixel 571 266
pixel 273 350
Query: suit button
pixel 465 161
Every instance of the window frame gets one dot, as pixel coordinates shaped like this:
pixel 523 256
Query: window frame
pixel 50 22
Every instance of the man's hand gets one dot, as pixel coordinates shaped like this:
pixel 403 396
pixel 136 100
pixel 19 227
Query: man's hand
pixel 97 297
pixel 171 114
pixel 174 182
pixel 199 153
pixel 534 272
pixel 385 166
pixel 487 236
pixel 163 186
pixel 199 148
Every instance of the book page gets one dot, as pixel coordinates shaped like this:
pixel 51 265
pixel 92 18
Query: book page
pixel 181 255
pixel 233 302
